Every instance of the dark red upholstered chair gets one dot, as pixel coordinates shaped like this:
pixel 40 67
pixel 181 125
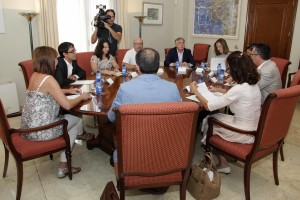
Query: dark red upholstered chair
pixel 273 126
pixel 120 53
pixel 84 61
pixel 200 52
pixel 283 66
pixel 23 150
pixel 155 144
pixel 166 52
pixel 27 70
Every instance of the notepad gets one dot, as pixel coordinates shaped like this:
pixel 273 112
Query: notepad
pixel 83 82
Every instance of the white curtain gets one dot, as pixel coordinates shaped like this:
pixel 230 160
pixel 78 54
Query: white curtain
pixel 74 21
pixel 47 23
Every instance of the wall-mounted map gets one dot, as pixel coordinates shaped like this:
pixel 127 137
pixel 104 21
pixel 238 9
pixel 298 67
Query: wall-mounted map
pixel 215 18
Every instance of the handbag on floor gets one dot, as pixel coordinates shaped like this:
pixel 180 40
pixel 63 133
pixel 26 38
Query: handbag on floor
pixel 109 192
pixel 204 181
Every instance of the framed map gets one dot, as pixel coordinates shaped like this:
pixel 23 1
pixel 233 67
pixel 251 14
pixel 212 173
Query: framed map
pixel 216 18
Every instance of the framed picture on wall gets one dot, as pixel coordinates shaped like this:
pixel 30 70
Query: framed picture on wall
pixel 216 19
pixel 153 13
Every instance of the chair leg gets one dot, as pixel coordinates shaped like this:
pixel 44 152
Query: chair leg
pixel 121 189
pixel 183 191
pixel 281 152
pixel 51 156
pixel 5 161
pixel 275 167
pixel 19 179
pixel 247 171
pixel 69 163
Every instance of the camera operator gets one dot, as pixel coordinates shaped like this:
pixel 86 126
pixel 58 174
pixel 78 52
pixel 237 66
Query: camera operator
pixel 111 31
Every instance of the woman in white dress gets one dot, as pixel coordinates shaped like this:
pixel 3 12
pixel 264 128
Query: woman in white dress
pixel 102 60
pixel 243 100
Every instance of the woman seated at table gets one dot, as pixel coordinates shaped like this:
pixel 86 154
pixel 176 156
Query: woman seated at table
pixel 221 48
pixel 102 60
pixel 42 104
pixel 243 100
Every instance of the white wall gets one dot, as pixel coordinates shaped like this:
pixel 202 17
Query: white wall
pixel 15 45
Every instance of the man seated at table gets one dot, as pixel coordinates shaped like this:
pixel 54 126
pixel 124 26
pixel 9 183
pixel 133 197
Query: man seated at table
pixel 181 54
pixel 129 58
pixel 67 70
pixel 270 79
pixel 146 88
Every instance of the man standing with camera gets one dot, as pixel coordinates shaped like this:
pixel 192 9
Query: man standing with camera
pixel 110 31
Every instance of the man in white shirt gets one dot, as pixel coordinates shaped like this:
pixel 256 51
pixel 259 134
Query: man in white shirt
pixel 270 79
pixel 129 58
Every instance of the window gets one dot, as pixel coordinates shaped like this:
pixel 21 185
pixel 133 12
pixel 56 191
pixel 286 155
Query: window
pixel 74 19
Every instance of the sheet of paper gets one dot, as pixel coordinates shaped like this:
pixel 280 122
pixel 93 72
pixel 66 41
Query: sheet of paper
pixel 110 81
pixel 83 82
pixel 134 74
pixel 193 98
pixel 214 63
pixel 160 71
pixel 72 96
pixel 204 91
pixel 118 73
pixel 213 79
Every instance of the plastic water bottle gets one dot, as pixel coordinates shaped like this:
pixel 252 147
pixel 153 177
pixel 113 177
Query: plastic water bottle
pixel 98 83
pixel 221 76
pixel 177 65
pixel 200 80
pixel 124 70
pixel 202 65
pixel 219 68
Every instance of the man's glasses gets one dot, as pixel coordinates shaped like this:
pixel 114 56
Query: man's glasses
pixel 138 43
pixel 73 51
pixel 253 54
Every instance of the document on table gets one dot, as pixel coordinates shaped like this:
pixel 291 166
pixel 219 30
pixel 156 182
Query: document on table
pixel 193 98
pixel 204 91
pixel 83 82
pixel 72 96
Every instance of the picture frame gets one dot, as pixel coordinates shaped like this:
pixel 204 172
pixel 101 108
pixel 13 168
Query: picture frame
pixel 153 13
pixel 216 19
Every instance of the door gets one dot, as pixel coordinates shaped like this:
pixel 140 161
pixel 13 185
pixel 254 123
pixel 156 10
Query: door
pixel 271 22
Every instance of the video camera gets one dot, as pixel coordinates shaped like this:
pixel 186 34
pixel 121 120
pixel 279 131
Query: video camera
pixel 101 16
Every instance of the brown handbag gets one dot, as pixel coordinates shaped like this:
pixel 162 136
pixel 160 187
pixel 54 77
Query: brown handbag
pixel 199 184
pixel 109 192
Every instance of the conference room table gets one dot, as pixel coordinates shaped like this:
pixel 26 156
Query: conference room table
pixel 99 106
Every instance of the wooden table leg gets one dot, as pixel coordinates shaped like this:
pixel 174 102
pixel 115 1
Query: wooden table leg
pixel 104 139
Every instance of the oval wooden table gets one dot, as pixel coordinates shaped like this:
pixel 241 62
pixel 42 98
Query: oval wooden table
pixel 99 106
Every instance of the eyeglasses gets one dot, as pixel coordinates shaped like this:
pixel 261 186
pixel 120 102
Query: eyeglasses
pixel 139 43
pixel 253 54
pixel 73 51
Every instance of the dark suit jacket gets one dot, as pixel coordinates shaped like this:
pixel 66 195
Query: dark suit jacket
pixel 61 72
pixel 173 57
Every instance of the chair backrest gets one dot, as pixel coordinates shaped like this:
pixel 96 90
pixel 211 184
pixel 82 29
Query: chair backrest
pixel 166 51
pixel 4 125
pixel 27 70
pixel 200 52
pixel 296 79
pixel 155 138
pixel 120 53
pixel 84 61
pixel 276 116
pixel 282 65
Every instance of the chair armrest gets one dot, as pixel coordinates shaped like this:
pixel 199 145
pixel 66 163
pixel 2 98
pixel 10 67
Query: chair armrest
pixel 290 78
pixel 16 114
pixel 63 122
pixel 212 121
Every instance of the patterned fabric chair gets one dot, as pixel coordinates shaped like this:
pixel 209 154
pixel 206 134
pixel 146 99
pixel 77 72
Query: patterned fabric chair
pixel 166 52
pixel 200 52
pixel 84 61
pixel 23 150
pixel 27 70
pixel 273 126
pixel 283 66
pixel 155 144
pixel 120 53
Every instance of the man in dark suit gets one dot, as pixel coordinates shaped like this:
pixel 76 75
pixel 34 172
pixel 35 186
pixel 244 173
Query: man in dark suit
pixel 67 70
pixel 181 54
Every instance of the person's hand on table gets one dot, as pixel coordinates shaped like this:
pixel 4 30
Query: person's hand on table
pixel 74 91
pixel 73 77
pixel 85 96
pixel 193 87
